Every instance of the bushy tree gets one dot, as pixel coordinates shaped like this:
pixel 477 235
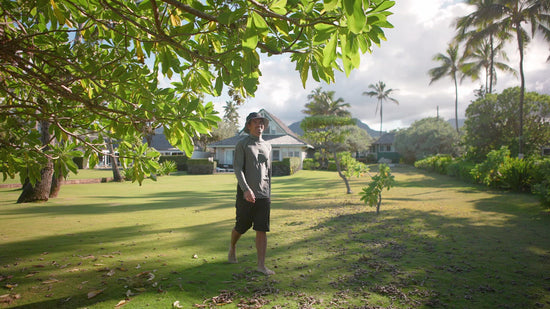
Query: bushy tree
pixel 426 137
pixel 492 122
pixel 327 133
pixel 89 70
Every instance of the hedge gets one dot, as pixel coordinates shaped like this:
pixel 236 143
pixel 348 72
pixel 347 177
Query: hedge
pixel 287 166
pixel 499 171
pixel 181 161
pixel 201 166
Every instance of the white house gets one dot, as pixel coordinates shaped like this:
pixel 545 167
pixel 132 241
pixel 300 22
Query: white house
pixel 284 143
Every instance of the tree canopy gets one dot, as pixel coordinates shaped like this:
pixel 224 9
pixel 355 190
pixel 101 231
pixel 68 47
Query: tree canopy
pixel 89 70
pixel 492 122
pixel 426 137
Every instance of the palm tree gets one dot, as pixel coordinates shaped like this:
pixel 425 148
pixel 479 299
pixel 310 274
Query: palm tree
pixel 483 58
pixel 322 103
pixel 230 112
pixel 481 38
pixel 509 17
pixel 450 66
pixel 382 94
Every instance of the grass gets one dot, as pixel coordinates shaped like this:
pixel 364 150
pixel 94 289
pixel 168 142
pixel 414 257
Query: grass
pixel 436 243
pixel 82 174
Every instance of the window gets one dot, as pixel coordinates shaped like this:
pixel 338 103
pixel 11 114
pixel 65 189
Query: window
pixel 276 155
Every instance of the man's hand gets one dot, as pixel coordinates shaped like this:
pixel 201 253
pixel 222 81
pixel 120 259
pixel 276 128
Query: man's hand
pixel 249 196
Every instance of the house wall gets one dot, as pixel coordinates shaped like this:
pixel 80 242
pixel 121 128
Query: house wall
pixel 225 155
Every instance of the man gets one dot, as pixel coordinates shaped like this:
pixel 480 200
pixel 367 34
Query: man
pixel 252 165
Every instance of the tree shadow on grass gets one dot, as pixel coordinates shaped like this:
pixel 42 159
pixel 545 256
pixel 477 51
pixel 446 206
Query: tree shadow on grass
pixel 417 259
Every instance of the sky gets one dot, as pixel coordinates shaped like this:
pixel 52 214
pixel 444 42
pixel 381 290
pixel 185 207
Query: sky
pixel 422 28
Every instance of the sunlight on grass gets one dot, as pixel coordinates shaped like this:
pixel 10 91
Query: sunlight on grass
pixel 436 243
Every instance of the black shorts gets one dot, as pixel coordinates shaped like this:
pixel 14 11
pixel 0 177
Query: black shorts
pixel 252 214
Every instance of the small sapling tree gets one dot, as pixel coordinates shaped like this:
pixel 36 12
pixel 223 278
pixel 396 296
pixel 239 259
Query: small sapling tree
pixel 372 195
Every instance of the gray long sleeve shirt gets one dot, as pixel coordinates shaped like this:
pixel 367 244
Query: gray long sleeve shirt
pixel 252 165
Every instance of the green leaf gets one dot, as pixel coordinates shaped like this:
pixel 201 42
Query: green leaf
pixel 329 52
pixel 382 6
pixel 279 7
pixel 250 38
pixel 330 5
pixel 259 23
pixel 357 19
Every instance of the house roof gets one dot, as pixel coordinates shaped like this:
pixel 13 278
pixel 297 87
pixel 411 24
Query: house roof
pixel 159 141
pixel 289 138
pixel 387 138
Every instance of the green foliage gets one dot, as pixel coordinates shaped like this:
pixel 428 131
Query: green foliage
pixel 461 168
pixel 540 171
pixel 167 167
pixel 426 137
pixel 351 167
pixel 96 77
pixel 492 122
pixel 138 160
pixel 310 164
pixel 372 195
pixel 288 166
pixel 181 161
pixel 489 171
pixel 201 166
pixel 499 170
pixel 437 163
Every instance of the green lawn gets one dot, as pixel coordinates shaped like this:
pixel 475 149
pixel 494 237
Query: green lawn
pixel 436 243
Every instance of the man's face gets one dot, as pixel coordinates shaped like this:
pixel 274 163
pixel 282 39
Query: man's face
pixel 256 126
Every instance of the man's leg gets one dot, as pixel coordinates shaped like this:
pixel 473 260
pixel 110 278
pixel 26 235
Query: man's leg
pixel 261 248
pixel 232 256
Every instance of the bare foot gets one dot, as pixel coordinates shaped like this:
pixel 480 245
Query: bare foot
pixel 266 271
pixel 231 257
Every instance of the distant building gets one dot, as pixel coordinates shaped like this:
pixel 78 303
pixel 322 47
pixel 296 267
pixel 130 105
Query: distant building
pixel 284 143
pixel 384 148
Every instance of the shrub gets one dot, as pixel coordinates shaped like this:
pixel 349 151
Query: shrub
pixel 181 161
pixel 462 169
pixel 310 164
pixel 287 166
pixel 540 172
pixel 200 166
pixel 167 167
pixel 489 171
pixel 515 174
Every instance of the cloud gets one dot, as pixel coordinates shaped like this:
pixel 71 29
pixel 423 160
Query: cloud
pixel 422 28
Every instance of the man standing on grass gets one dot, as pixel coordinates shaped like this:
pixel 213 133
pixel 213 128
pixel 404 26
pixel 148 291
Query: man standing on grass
pixel 252 165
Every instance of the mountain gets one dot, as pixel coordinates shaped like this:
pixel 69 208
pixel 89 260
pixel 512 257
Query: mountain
pixel 295 127
pixel 460 122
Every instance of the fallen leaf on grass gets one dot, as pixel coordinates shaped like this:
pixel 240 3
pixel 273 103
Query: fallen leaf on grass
pixel 49 281
pixel 10 286
pixel 93 294
pixel 122 303
pixel 9 298
pixel 176 304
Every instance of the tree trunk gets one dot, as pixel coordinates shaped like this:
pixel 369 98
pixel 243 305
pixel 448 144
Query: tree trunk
pixel 339 169
pixel 114 165
pixel 41 190
pixel 456 104
pixel 378 204
pixel 522 93
pixel 56 185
